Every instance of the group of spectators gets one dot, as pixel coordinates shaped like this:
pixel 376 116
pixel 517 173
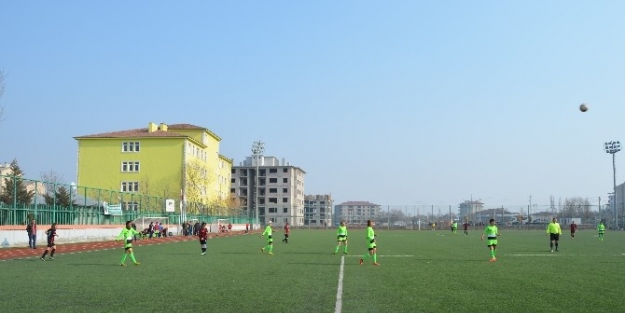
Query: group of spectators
pixel 190 228
pixel 155 230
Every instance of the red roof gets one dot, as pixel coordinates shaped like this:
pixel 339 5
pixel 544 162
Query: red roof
pixel 143 132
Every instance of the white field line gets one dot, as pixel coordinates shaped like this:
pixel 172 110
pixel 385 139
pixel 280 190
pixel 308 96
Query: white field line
pixel 387 256
pixel 339 289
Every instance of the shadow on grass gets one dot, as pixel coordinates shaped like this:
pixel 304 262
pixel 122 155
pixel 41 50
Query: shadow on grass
pixel 93 264
pixel 317 263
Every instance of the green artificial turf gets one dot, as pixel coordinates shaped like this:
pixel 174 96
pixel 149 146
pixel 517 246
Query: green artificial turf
pixel 421 271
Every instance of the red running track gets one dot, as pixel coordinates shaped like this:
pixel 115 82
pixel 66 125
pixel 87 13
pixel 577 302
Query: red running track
pixel 24 253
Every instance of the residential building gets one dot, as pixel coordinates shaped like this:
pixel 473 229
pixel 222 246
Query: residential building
pixel 160 160
pixel 318 210
pixel 38 187
pixel 279 186
pixel 356 212
pixel 468 209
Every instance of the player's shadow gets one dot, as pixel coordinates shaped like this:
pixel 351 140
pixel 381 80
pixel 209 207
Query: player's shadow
pixel 448 260
pixel 91 264
pixel 316 263
pixel 308 252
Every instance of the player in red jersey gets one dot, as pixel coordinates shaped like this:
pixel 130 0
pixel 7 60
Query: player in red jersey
pixel 50 234
pixel 573 229
pixel 203 234
pixel 287 232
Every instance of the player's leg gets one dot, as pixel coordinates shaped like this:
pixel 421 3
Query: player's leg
pixel 557 240
pixel 132 256
pixel 338 245
pixel 366 255
pixel 375 255
pixel 345 246
pixel 203 245
pixel 53 248
pixel 45 252
pixel 123 260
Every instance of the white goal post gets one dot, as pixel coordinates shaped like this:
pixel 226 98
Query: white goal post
pixel 144 222
pixel 216 224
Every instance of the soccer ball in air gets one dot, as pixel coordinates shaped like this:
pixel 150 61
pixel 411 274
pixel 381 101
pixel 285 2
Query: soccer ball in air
pixel 583 107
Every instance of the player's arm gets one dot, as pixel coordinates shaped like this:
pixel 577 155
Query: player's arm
pixel 120 236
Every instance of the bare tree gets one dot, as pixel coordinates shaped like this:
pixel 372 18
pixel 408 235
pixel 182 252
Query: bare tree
pixel 50 179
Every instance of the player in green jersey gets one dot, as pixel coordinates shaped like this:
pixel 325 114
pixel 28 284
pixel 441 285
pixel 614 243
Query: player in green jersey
pixel 268 232
pixel 491 232
pixel 454 227
pixel 554 231
pixel 341 235
pixel 371 245
pixel 128 235
pixel 601 230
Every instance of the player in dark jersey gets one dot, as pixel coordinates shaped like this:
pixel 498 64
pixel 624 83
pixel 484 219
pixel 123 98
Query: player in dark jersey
pixel 203 234
pixel 50 234
pixel 287 232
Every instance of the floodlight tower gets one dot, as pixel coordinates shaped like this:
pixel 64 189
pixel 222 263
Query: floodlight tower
pixel 257 150
pixel 612 147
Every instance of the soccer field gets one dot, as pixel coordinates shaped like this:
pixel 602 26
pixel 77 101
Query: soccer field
pixel 421 271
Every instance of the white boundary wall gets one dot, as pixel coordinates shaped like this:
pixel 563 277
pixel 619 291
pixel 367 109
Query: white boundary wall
pixel 19 238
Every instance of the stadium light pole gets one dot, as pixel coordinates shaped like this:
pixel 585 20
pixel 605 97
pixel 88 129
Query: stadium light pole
pixel 612 147
pixel 257 149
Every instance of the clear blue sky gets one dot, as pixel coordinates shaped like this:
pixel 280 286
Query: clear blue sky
pixel 392 102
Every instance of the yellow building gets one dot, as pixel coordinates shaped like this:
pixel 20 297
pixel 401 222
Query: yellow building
pixel 160 160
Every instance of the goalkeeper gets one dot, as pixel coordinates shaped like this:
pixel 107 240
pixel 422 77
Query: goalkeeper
pixel 127 234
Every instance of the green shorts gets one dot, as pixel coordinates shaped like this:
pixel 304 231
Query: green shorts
pixel 342 238
pixel 491 242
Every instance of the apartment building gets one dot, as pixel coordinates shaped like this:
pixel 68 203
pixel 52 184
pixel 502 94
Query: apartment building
pixel 356 212
pixel 275 188
pixel 318 210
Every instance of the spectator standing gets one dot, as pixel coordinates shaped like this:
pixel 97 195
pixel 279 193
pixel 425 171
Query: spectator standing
pixel 31 229
pixel 151 229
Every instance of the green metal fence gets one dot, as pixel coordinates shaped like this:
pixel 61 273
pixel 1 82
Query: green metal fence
pixel 79 205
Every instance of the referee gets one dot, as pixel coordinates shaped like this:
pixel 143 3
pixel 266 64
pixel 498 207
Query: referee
pixel 554 231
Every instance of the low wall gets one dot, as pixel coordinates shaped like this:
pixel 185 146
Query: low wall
pixel 16 236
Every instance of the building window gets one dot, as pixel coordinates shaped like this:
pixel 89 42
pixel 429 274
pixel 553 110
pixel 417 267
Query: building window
pixel 273 190
pixel 273 200
pixel 285 210
pixel 130 206
pixel 232 190
pixel 273 170
pixel 130 167
pixel 233 180
pixel 128 146
pixel 285 200
pixel 130 186
pixel 273 210
pixel 285 170
pixel 233 171
pixel 285 190
pixel 262 172
pixel 285 180
pixel 273 180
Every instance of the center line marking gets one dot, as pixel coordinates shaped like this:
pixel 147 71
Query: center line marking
pixel 339 289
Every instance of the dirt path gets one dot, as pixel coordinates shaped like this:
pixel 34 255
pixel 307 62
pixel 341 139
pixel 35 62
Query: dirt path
pixel 24 253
